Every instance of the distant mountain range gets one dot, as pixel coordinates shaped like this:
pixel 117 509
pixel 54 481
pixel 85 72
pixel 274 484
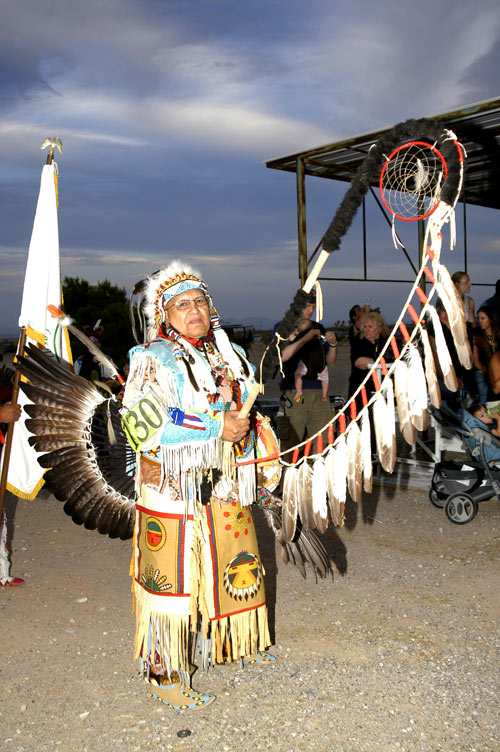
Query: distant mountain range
pixel 258 322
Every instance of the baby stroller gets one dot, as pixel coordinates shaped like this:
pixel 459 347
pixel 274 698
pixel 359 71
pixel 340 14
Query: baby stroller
pixel 458 486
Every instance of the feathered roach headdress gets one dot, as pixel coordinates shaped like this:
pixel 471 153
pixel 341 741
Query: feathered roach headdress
pixel 158 289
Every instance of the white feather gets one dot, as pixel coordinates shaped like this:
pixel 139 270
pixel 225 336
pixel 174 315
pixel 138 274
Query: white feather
pixel 448 371
pixel 289 503
pixel 430 370
pixel 336 475
pixel 319 504
pixel 454 307
pixel 305 494
pixel 406 427
pixel 354 460
pixel 385 425
pixel 417 389
pixel 366 448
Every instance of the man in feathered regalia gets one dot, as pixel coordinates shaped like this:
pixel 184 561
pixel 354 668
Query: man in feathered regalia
pixel 196 564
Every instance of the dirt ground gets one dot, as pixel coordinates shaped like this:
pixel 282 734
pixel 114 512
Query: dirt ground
pixel 397 651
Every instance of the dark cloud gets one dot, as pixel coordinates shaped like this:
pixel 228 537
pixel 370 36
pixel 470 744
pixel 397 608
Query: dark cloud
pixel 167 111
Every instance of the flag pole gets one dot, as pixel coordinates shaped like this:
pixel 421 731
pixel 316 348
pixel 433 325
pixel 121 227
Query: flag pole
pixel 10 431
pixel 52 143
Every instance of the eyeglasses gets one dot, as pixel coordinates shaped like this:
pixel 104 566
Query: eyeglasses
pixel 185 305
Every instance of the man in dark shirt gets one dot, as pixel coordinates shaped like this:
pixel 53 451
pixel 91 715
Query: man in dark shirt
pixel 316 348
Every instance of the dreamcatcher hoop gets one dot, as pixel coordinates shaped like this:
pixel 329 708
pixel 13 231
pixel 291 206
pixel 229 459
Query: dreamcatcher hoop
pixel 411 180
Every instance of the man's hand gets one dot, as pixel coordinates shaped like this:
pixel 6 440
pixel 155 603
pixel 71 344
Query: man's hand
pixel 331 338
pixel 235 428
pixel 9 413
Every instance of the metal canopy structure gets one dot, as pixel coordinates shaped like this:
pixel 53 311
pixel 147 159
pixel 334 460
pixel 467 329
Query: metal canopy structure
pixel 477 127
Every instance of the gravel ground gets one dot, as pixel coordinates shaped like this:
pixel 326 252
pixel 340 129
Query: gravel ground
pixel 398 651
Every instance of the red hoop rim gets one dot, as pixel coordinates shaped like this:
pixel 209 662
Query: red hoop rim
pixel 382 173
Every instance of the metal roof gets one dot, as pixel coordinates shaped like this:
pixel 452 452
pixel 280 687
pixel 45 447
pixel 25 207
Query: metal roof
pixel 477 127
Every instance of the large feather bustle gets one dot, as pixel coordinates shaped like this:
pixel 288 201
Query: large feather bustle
pixel 336 479
pixel 290 503
pixel 385 426
pixel 406 427
pixel 319 504
pixel 305 494
pixel 366 449
pixel 430 370
pixel 354 460
pixel 445 362
pixel 417 389
pixel 75 478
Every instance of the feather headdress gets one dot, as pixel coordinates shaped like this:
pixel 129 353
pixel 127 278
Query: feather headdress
pixel 163 285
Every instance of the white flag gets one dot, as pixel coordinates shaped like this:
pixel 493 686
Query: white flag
pixel 42 286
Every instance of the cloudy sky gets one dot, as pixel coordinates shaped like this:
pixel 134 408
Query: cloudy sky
pixel 168 109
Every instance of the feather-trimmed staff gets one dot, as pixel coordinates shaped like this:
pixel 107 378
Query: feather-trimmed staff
pixel 367 174
pixel 63 414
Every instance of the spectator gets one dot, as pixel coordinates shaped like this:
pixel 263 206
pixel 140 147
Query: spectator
pixel 302 371
pixel 486 341
pixel 317 349
pixel 9 413
pixel 365 350
pixel 451 398
pixel 461 280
